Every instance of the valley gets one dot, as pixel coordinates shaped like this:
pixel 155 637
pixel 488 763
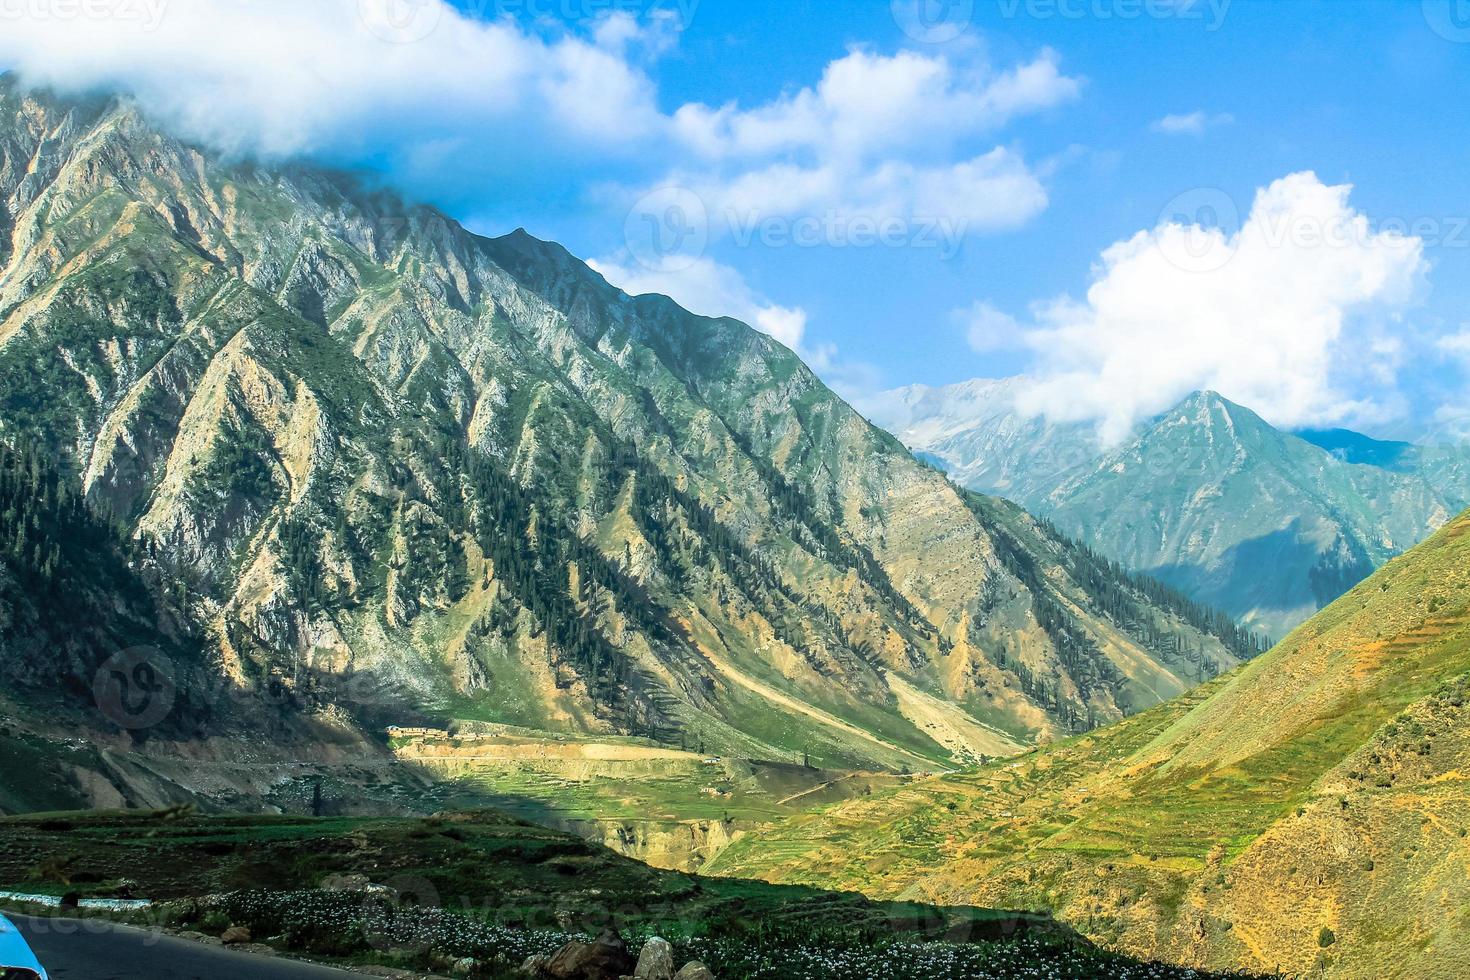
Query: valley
pixel 480 893
pixel 438 603
pixel 388 472
pixel 1306 813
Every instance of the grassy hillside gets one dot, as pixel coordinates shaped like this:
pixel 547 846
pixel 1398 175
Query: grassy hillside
pixel 1308 812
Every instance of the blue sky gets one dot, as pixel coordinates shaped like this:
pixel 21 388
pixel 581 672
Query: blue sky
pixel 1036 135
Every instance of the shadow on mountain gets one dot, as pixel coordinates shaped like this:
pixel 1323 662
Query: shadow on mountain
pixel 1290 574
pixel 1354 447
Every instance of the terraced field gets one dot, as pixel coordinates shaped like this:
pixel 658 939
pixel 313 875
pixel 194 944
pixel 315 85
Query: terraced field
pixel 673 809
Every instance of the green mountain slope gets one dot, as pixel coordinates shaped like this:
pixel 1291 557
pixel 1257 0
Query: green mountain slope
pixel 1266 525
pixel 1309 812
pixel 365 442
pixel 1240 515
pixel 73 589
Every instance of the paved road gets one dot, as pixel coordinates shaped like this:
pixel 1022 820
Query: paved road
pixel 71 949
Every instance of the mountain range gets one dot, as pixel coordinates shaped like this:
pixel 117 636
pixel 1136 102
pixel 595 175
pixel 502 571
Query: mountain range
pixel 1268 525
pixel 365 469
pixel 313 501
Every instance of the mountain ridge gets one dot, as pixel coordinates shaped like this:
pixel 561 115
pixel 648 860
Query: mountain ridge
pixel 1202 496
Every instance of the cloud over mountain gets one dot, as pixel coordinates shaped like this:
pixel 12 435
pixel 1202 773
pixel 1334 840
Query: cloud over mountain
pixel 1286 314
pixel 428 92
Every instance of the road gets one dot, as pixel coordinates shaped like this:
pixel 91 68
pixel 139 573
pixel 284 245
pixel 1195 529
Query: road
pixel 72 949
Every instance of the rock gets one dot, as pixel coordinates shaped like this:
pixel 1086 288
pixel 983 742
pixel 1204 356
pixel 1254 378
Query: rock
pixel 235 936
pixel 656 962
pixel 535 966
pixel 694 970
pixel 605 959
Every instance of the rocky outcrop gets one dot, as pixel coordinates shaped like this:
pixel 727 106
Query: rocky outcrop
pixel 656 961
pixel 605 958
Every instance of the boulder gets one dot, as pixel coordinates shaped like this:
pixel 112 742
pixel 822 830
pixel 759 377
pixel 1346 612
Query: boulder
pixel 694 971
pixel 656 962
pixel 607 958
pixel 235 936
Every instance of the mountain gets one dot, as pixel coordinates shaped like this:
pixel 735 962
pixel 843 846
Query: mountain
pixel 1243 516
pixel 1306 813
pixel 1207 497
pixel 400 474
pixel 973 431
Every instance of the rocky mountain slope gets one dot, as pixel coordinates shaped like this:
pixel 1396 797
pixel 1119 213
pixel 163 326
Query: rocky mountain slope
pixel 480 483
pixel 1210 498
pixel 1308 813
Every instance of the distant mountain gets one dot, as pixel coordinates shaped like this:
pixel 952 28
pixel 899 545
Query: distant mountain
pixel 1305 814
pixel 1208 497
pixel 973 431
pixel 360 441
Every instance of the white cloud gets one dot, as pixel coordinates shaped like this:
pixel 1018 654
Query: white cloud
pixel 1191 123
pixel 988 329
pixel 1286 316
pixel 933 205
pixel 884 137
pixel 284 77
pixel 443 99
pixel 867 103
pixel 1451 419
pixel 1456 345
